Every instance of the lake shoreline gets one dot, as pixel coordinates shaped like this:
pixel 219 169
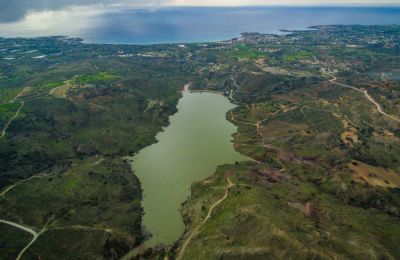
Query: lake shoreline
pixel 193 96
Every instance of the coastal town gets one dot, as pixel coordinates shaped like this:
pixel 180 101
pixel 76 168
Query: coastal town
pixel 316 115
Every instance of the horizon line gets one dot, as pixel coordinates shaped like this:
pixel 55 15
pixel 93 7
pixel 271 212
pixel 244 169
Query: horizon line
pixel 266 5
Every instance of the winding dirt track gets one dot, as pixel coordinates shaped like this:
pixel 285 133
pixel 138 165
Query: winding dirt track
pixel 231 92
pixel 22 181
pixel 8 189
pixel 365 92
pixel 186 87
pixel 30 243
pixel 240 122
pixel 259 132
pixel 196 229
pixel 19 226
pixel 378 107
pixel 11 119
pixel 26 229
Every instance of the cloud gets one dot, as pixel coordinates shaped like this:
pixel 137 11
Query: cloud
pixel 13 10
pixel 50 22
pixel 276 2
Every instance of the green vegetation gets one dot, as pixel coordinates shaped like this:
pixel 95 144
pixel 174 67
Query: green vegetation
pixel 295 57
pixel 307 192
pixel 98 77
pixel 7 94
pixel 53 84
pixel 287 218
pixel 248 52
pixel 7 110
pixel 325 183
pixel 97 194
pixel 64 154
pixel 12 240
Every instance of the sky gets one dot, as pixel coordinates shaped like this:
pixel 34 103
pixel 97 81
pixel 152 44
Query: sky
pixel 14 10
pixel 276 2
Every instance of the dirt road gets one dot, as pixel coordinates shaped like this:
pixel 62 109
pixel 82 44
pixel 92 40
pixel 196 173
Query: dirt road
pixel 26 229
pixel 186 87
pixel 11 119
pixel 196 229
pixel 365 92
pixel 22 181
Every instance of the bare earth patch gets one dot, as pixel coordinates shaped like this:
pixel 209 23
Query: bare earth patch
pixel 61 91
pixel 278 129
pixel 375 176
pixel 349 137
pixel 260 63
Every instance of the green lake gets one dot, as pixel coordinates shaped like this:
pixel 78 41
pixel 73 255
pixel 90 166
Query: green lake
pixel 198 139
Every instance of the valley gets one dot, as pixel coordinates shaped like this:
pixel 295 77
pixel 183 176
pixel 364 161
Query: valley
pixel 313 173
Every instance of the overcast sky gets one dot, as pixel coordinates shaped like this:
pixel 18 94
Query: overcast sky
pixel 276 2
pixel 13 10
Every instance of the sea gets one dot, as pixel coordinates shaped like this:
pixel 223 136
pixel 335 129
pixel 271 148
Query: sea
pixel 130 25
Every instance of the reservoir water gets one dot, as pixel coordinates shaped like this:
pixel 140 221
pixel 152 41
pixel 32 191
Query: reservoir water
pixel 197 140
